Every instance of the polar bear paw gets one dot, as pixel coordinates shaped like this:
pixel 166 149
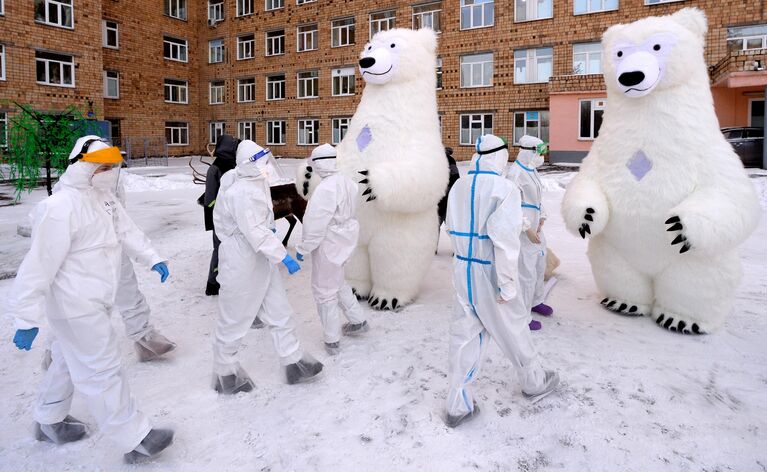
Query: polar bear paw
pixel 676 227
pixel 368 192
pixel 360 296
pixel 679 323
pixel 383 302
pixel 624 308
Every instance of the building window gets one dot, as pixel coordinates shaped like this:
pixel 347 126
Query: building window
pixel 245 7
pixel 177 133
pixel 381 21
pixel 215 11
pixel 587 58
pixel 3 130
pixel 246 130
pixel 529 10
pixel 308 132
pixel 275 132
pixel 2 7
pixel 275 42
pixel 308 84
pixel 343 81
pixel 533 65
pixel 475 125
pixel 340 127
pixel 110 34
pixel 176 91
pixel 427 16
pixel 176 9
pixel 275 87
pixel 215 51
pixel 246 47
pixel 477 13
pixel 303 2
pixel 658 2
pixel 2 61
pixel 246 90
pixel 747 38
pixel 274 4
pixel 55 69
pixel 216 92
pixel 114 130
pixel 477 70
pixel 306 38
pixel 342 32
pixel 175 49
pixel 54 13
pixel 590 118
pixel 111 84
pixel 439 73
pixel 756 114
pixel 532 123
pixel 217 128
pixel 594 6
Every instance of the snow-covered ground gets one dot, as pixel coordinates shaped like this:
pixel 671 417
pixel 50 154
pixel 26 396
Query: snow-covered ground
pixel 634 397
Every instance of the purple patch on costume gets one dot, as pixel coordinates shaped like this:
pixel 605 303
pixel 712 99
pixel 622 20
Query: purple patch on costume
pixel 364 138
pixel 639 165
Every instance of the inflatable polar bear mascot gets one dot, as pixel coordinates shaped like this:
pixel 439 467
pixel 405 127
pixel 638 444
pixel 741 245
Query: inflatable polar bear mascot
pixel 393 147
pixel 662 196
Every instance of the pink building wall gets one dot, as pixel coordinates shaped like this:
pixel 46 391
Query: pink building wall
pixel 732 106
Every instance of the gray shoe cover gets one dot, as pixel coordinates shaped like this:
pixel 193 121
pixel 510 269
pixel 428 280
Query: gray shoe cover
pixel 234 383
pixel 66 431
pixel 257 323
pixel 153 444
pixel 351 329
pixel 454 421
pixel 303 370
pixel 153 345
pixel 333 348
pixel 550 384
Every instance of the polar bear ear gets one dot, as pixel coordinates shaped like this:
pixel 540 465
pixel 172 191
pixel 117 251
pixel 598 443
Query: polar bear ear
pixel 693 19
pixel 428 38
pixel 610 33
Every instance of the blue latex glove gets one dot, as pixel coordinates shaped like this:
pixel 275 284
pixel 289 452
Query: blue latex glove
pixel 24 337
pixel 162 269
pixel 292 265
pixel 300 256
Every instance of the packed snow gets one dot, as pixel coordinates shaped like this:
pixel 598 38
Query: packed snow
pixel 634 397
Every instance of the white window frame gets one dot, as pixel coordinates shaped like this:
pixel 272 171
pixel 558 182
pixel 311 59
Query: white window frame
pixel 2 62
pixel 746 38
pixel 340 127
pixel 216 12
pixel 274 83
pixel 115 80
pixel 387 18
pixel 307 37
pixel 215 129
pixel 275 41
pixel 177 87
pixel 439 73
pixel 304 2
pixel 217 91
pixel 60 7
pixel 271 126
pixel 246 92
pixel 178 47
pixel 246 130
pixel 181 9
pixel 4 137
pixel 660 2
pixel 477 7
pixel 343 78
pixel 50 63
pixel 604 7
pixel 304 86
pixel 421 15
pixel 106 29
pixel 532 10
pixel 246 48
pixel 2 7
pixel 586 55
pixel 474 118
pixel 596 104
pixel 481 65
pixel 270 5
pixel 245 7
pixel 533 56
pixel 216 51
pixel 310 126
pixel 527 117
pixel 179 128
pixel 337 32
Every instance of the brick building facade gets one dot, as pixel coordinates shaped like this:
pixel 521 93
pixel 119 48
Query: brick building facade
pixel 277 71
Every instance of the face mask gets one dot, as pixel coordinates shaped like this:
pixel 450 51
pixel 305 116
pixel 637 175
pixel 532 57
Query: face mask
pixel 106 181
pixel 537 160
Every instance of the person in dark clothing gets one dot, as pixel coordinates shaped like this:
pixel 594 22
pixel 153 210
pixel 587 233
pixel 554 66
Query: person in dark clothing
pixel 454 176
pixel 226 149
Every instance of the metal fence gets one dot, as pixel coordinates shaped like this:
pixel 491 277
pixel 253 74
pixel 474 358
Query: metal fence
pixel 143 151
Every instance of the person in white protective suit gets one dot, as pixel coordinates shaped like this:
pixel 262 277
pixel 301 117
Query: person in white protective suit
pixel 248 272
pixel 330 233
pixel 484 221
pixel 70 275
pixel 532 254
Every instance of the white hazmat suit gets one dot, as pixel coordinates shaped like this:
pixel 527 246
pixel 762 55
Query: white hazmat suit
pixel 484 220
pixel 330 233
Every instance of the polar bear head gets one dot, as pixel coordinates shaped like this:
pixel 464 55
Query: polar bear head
pixel 399 55
pixel 654 53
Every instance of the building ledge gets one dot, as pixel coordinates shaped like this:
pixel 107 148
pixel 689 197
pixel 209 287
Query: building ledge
pixel 562 84
pixel 740 69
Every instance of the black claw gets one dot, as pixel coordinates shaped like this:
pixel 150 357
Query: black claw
pixel 679 238
pixel 308 175
pixel 587 228
pixel 676 227
pixel 588 217
pixel 687 331
pixel 684 249
pixel 633 309
pixel 367 191
pixel 668 322
pixel 673 219
pixel 582 232
pixel 681 325
pixel 695 328
pixel 364 181
pixel 660 319
pixel 383 304
pixel 604 300
pixel 589 210
pixel 394 303
pixel 363 172
pixel 374 302
pixel 371 198
pixel 622 307
pixel 610 305
pixel 308 168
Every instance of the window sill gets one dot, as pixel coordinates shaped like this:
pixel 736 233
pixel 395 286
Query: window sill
pixel 177 145
pixel 116 48
pixel 307 98
pixel 246 101
pixel 275 99
pixel 175 17
pixel 56 85
pixel 534 19
pixel 176 60
pixel 244 15
pixel 275 9
pixel 54 25
pixel 476 86
pixel 476 28
pixel 273 55
pixel 307 50
pixel 275 144
pixel 343 46
pixel 217 62
pixel 112 98
pixel 594 12
pixel 176 103
pixel 533 83
pixel 586 139
pixel 217 103
pixel 343 95
pixel 242 59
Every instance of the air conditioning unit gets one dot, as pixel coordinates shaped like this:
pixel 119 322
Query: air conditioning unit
pixel 212 22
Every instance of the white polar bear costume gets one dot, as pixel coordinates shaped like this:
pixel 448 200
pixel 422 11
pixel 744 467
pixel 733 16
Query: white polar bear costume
pixel 393 147
pixel 661 194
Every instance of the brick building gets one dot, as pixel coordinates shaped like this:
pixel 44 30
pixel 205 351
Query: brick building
pixel 283 72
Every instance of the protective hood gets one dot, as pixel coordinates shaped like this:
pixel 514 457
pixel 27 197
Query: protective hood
pixel 94 149
pixel 529 152
pixel 492 155
pixel 79 174
pixel 252 160
pixel 225 153
pixel 323 160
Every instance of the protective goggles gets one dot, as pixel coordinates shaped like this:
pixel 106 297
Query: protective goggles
pixel 505 145
pixel 259 155
pixel 322 157
pixel 540 149
pixel 110 155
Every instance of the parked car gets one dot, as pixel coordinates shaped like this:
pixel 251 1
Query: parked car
pixel 748 143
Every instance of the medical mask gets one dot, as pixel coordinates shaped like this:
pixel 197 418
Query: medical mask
pixel 537 160
pixel 106 181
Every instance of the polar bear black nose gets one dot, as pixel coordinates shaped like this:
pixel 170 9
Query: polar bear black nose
pixel 630 79
pixel 366 62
